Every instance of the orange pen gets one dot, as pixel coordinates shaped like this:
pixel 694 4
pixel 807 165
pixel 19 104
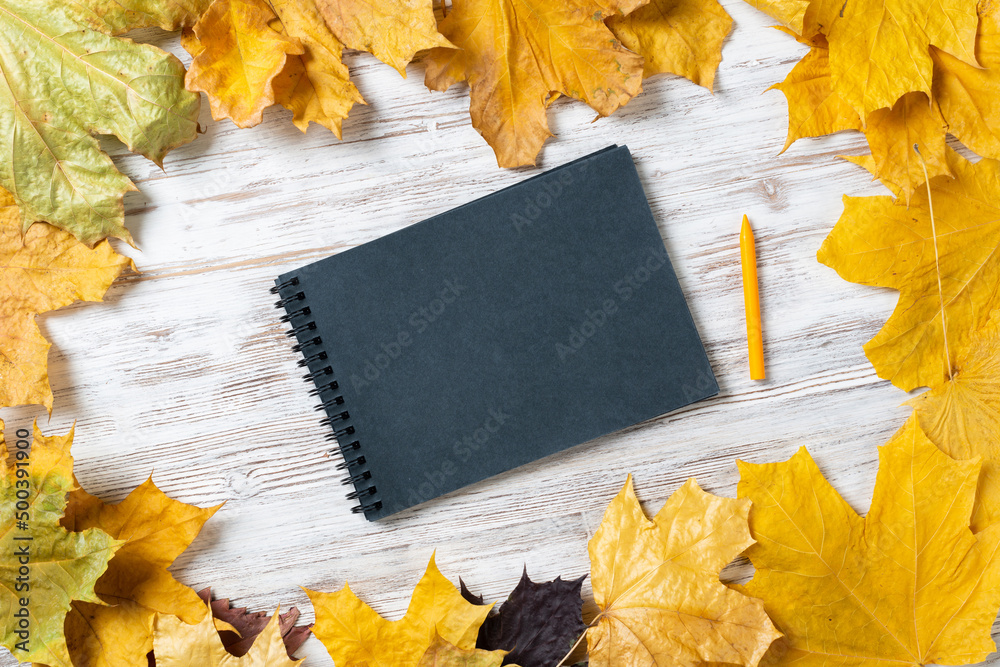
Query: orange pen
pixel 751 301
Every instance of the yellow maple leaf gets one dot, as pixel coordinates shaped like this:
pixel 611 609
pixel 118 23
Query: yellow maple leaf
pixel 880 49
pixel 178 644
pixel 682 37
pixel 316 86
pixel 962 415
pixel 814 108
pixel 43 270
pixel 250 54
pixel 354 634
pixel 391 30
pixel 239 55
pixel 880 241
pixel 790 13
pixel 517 54
pixel 657 585
pixel 441 653
pixel 969 96
pixel 156 530
pixel 907 584
pixel 892 133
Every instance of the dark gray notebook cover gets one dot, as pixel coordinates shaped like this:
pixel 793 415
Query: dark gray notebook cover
pixel 534 319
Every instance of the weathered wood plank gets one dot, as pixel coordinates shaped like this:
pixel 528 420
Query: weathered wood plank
pixel 185 373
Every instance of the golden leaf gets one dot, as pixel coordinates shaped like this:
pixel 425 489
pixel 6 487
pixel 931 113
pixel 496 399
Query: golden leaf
pixel 296 63
pixel 177 644
pixel 962 415
pixel 43 270
pixel 516 54
pixel 882 242
pixel 880 49
pixel 789 12
pixel 682 37
pixel 442 654
pixel 239 55
pixel 891 134
pixel 814 109
pixel 391 30
pixel 657 585
pixel 908 584
pixel 137 583
pixel 354 634
pixel 315 86
pixel 969 96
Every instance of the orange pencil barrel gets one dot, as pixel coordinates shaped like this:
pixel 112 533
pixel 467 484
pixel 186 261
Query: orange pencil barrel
pixel 751 301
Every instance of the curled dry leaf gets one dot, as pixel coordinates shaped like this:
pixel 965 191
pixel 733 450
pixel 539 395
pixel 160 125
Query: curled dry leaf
pixel 40 271
pixel 657 585
pixel 682 37
pixel 909 583
pixel 355 634
pixel 59 567
pixel 391 30
pixel 880 241
pixel 178 644
pixel 81 81
pixel 250 54
pixel 155 530
pixel 516 55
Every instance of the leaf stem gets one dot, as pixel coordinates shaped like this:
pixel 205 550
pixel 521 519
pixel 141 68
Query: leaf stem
pixel 578 640
pixel 937 264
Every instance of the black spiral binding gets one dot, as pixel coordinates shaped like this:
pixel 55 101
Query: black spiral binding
pixel 321 375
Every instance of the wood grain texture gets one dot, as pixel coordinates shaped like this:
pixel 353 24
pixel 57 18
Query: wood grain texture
pixel 185 371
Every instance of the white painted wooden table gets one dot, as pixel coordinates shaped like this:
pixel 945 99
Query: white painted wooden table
pixel 185 371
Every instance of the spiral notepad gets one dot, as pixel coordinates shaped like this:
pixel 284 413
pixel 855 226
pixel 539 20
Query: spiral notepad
pixel 512 327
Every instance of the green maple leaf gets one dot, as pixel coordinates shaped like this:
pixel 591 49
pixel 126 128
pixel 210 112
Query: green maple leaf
pixel 66 78
pixel 61 566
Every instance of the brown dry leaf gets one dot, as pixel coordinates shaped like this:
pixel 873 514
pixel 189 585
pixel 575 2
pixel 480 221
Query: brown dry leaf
pixel 682 37
pixel 882 242
pixel 657 585
pixel 391 30
pixel 354 634
pixel 517 54
pixel 178 644
pixel 908 584
pixel 962 416
pixel 156 530
pixel 44 270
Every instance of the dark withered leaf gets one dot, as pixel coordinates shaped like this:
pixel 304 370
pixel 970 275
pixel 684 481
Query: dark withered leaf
pixel 538 623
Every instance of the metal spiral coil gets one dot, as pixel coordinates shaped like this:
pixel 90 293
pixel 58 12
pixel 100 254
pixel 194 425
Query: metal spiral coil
pixel 325 387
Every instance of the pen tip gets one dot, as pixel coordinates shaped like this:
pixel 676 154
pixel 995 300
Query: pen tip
pixel 746 224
